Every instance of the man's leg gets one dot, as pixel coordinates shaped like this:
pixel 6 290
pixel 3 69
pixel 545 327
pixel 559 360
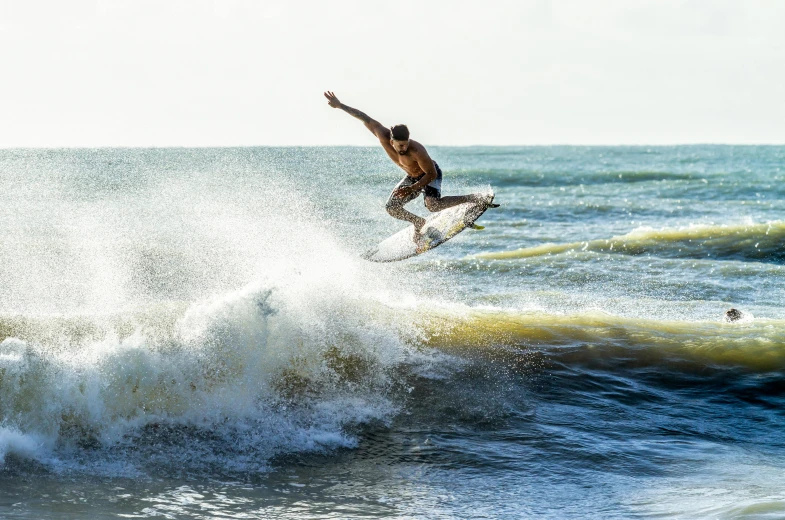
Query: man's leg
pixel 437 203
pixel 395 205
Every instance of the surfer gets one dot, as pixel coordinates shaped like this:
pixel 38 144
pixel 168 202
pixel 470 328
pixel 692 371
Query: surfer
pixel 422 172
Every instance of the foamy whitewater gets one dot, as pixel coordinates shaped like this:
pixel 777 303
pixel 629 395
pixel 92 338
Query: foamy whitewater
pixel 193 333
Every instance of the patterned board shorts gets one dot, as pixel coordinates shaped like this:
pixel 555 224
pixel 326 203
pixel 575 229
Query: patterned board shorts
pixel 433 189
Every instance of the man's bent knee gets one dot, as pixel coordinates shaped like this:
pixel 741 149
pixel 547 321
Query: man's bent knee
pixel 395 209
pixel 432 204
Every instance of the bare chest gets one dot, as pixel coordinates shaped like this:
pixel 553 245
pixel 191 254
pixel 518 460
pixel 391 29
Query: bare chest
pixel 410 164
pixel 407 162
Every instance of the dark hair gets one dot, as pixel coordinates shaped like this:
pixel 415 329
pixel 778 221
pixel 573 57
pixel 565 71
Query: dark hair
pixel 733 315
pixel 400 132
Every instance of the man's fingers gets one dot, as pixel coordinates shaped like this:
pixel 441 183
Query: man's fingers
pixel 331 99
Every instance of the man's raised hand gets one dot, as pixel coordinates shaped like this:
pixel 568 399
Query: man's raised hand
pixel 372 125
pixel 332 100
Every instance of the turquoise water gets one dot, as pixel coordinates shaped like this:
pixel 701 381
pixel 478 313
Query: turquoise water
pixel 191 333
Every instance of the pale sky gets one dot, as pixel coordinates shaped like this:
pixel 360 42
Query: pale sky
pixel 245 72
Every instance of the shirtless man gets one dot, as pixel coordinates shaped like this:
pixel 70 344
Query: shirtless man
pixel 422 173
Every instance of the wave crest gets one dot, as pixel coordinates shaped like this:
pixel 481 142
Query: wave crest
pixel 747 242
pixel 588 336
pixel 228 382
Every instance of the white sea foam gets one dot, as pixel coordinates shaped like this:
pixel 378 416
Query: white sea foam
pixel 288 363
pixel 12 441
pixel 211 306
pixel 270 369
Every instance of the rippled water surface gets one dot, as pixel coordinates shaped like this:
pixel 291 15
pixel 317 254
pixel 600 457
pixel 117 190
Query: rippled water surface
pixel 191 333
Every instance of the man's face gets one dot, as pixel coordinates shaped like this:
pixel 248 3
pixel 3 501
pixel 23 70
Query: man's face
pixel 400 146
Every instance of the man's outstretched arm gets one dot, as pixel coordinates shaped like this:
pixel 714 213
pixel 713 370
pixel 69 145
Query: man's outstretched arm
pixel 374 126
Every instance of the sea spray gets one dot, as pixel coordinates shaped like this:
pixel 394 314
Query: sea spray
pixel 265 370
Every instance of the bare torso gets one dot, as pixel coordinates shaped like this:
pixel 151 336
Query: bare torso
pixel 408 161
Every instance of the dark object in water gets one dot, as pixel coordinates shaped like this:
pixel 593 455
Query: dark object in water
pixel 733 315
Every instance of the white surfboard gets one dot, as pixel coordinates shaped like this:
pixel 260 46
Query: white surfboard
pixel 438 229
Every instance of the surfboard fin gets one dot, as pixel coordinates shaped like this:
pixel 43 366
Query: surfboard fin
pixel 477 227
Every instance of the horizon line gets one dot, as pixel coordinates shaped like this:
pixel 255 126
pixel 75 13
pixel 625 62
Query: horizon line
pixel 540 145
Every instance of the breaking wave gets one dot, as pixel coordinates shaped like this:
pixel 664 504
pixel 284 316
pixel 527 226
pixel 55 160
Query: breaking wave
pixel 746 242
pixel 227 382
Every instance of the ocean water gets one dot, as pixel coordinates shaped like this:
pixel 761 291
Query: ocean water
pixel 191 333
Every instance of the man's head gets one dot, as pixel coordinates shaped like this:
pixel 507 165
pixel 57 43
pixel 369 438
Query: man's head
pixel 400 139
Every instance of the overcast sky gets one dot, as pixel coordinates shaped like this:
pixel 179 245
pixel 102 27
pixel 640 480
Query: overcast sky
pixel 252 72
